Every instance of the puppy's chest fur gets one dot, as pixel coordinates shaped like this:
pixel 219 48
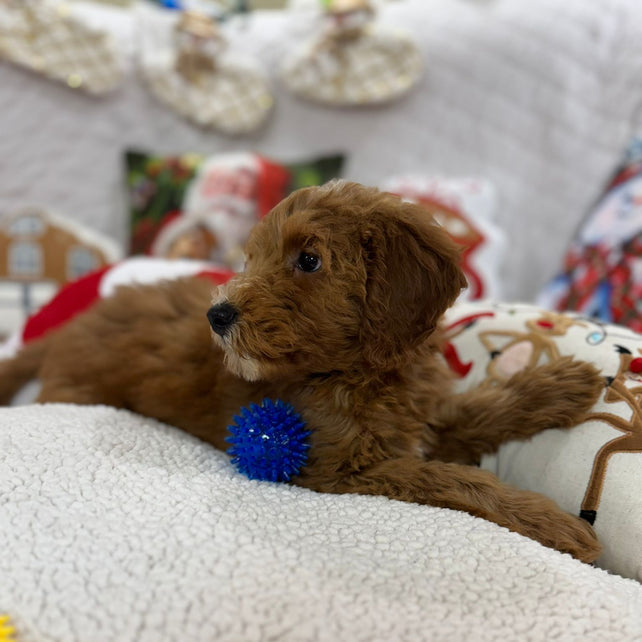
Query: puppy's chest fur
pixel 359 422
pixel 354 422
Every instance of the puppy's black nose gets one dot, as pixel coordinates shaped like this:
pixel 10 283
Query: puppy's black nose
pixel 222 316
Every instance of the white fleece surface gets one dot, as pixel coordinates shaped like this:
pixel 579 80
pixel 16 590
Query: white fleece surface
pixel 116 527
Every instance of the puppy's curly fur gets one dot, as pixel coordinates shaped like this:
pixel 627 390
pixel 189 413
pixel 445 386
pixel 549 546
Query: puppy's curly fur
pixel 337 313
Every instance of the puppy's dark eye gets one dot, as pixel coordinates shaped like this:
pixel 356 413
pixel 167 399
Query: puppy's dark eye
pixel 308 262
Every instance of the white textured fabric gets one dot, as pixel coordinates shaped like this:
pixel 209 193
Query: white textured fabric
pixel 115 527
pixel 539 97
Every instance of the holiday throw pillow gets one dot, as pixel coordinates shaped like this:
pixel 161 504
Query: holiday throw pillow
pixel 593 470
pixel 602 272
pixel 202 208
pixel 466 208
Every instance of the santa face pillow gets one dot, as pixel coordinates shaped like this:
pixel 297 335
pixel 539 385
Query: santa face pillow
pixel 465 208
pixel 229 195
pixel 204 208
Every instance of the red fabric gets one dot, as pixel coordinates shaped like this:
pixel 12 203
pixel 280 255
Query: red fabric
pixel 450 352
pixel 79 295
pixel 454 362
pixel 272 185
pixel 218 276
pixel 469 319
pixel 72 299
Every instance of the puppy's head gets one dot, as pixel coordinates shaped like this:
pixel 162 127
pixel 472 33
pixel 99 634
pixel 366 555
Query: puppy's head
pixel 338 277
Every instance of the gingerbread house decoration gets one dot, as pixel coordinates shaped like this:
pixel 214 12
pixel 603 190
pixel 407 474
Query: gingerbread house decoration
pixel 38 246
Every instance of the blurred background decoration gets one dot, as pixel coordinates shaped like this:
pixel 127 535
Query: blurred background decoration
pixel 353 60
pixel 41 251
pixel 214 6
pixel 169 126
pixel 204 81
pixel 198 207
pixel 44 37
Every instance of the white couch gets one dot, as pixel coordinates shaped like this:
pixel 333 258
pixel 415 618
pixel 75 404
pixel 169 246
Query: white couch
pixel 113 527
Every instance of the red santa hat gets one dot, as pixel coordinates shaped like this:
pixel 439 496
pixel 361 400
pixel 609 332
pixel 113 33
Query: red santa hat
pixel 80 295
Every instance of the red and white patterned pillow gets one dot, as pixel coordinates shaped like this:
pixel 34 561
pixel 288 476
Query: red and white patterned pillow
pixel 466 208
pixel 593 470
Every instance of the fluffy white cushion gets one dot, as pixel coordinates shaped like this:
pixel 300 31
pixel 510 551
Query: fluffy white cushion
pixel 593 470
pixel 116 527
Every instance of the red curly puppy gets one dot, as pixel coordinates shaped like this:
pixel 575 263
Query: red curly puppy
pixel 337 313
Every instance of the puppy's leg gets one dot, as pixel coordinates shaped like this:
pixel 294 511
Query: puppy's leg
pixel 18 371
pixel 55 391
pixel 481 494
pixel 477 422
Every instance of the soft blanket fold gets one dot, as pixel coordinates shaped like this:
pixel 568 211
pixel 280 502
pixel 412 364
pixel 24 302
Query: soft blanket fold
pixel 115 527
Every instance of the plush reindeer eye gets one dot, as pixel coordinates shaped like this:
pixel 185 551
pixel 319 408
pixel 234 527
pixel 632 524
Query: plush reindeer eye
pixel 308 262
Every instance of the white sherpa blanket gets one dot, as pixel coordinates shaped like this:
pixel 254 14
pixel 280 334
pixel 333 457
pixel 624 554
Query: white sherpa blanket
pixel 115 527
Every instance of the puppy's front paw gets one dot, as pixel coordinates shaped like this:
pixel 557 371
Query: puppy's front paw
pixel 565 389
pixel 580 384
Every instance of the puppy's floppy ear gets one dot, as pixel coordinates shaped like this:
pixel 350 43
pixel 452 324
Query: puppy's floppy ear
pixel 413 276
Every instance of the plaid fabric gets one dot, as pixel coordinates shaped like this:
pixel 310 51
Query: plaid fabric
pixel 373 68
pixel 45 40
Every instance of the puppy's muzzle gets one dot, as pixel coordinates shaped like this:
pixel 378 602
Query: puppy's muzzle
pixel 222 317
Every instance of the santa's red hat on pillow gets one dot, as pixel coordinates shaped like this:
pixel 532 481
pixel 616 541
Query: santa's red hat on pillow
pixel 79 295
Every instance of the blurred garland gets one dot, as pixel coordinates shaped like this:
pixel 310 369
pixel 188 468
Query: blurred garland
pixel 224 10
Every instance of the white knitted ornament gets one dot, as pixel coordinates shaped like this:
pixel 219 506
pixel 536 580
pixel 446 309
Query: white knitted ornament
pixel 205 84
pixel 43 36
pixel 353 61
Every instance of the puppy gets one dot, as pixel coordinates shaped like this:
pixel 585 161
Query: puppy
pixel 337 313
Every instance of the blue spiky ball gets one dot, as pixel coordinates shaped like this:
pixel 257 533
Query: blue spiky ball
pixel 268 441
